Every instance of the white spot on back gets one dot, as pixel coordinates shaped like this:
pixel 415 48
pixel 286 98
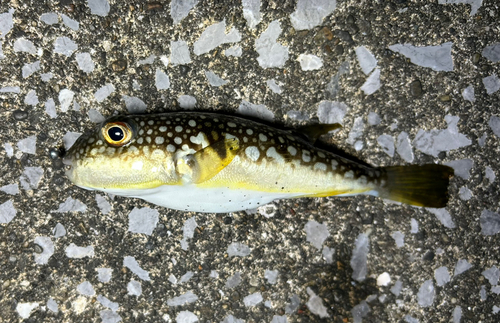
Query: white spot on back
pixel 262 137
pixel 159 140
pixel 334 164
pixel 252 153
pixel 178 140
pixel 231 124
pixel 292 150
pixel 192 123
pixel 349 174
pixel 151 122
pixel 163 129
pixel 306 156
pixel 320 166
pixel 321 154
pixel 170 148
pixel 178 129
pixel 272 153
pixel 249 132
pixel 140 140
pixel 362 180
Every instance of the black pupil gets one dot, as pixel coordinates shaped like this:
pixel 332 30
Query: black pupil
pixel 116 133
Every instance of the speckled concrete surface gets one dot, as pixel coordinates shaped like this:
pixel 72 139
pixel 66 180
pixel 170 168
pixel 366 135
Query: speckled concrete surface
pixel 70 255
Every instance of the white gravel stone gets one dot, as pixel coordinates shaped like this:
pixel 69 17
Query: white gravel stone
pixel 252 299
pixel 24 45
pixel 372 83
pixel 85 62
pixel 25 309
pixel 461 267
pixel 179 53
pixel 183 299
pixel 162 80
pixel 468 94
pixel 73 251
pixel 70 23
pixel 47 250
pixel 143 220
pixel 65 46
pixel 29 69
pixel 492 52
pixel 490 222
pixel 11 189
pixel 330 112
pixel 491 84
pixel 386 142
pixel 105 91
pixel 309 62
pixel 315 304
pixel 426 294
pixel 359 257
pixel 383 279
pixel 59 231
pixel 237 249
pixel 186 317
pixel 104 274
pixel 316 233
pixel 461 167
pixel 474 4
pixel 71 205
pixel 235 51
pixel 134 288
pixel 271 53
pixel 436 57
pixel 86 289
pixel 214 80
pixel 271 276
pixel 442 276
pixel 49 18
pixel 65 99
pixel 435 141
pixel 50 108
pixel 399 238
pixel 214 36
pixel 443 216
pixel 31 98
pixel 179 9
pixel 251 12
pixel 27 145
pixel 366 59
pixel 134 267
pixel 187 102
pixel 99 7
pixel 309 14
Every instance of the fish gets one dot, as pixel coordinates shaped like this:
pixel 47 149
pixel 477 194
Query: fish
pixel 211 162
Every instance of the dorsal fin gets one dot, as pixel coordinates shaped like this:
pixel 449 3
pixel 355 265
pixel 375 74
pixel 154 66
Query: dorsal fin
pixel 314 131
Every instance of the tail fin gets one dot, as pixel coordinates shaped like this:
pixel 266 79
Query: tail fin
pixel 425 185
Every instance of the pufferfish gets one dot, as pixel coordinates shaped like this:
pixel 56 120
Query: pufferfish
pixel 208 162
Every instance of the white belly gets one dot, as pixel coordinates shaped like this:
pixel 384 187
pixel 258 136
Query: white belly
pixel 212 200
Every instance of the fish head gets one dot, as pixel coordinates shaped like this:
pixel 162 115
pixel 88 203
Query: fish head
pixel 119 155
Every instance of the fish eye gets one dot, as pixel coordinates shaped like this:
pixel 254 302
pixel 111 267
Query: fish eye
pixel 117 133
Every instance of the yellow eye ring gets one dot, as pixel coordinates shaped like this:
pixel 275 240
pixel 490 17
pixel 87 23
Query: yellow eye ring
pixel 117 133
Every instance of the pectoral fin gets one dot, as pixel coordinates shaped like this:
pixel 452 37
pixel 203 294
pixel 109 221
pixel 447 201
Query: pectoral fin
pixel 212 159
